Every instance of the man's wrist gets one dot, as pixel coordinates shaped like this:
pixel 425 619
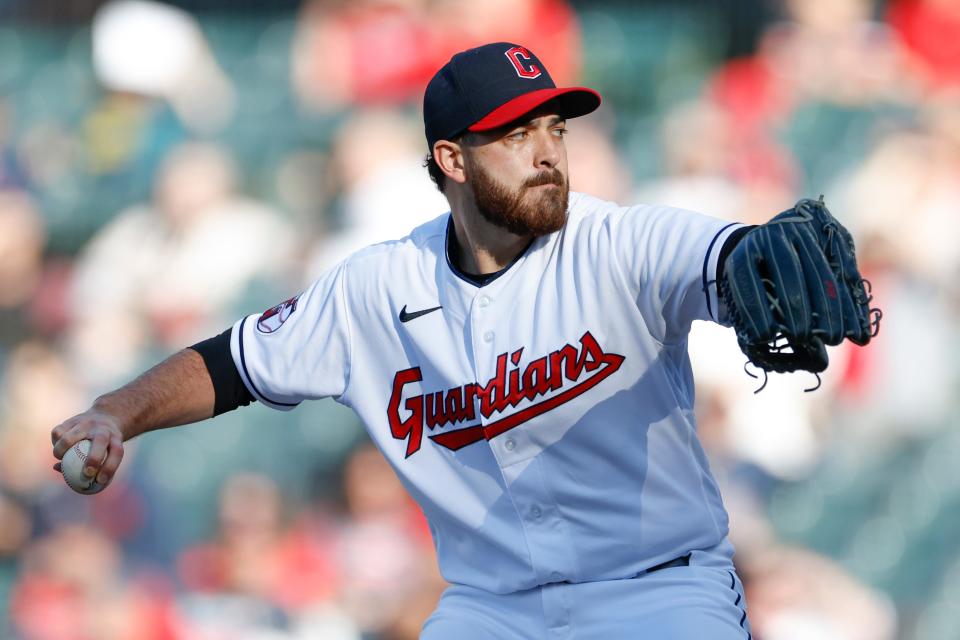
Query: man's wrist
pixel 108 405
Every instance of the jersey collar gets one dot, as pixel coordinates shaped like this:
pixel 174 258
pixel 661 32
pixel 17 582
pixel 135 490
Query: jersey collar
pixel 477 280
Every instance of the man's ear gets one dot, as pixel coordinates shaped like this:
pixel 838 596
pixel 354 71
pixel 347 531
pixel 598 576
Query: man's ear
pixel 449 157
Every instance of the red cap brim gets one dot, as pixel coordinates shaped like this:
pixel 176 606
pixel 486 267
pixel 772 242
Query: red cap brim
pixel 571 102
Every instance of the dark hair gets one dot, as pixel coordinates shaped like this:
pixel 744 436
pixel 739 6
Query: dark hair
pixel 436 174
pixel 439 177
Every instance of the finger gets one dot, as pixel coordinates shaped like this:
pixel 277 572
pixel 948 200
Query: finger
pixel 58 431
pixel 98 452
pixel 58 467
pixel 77 432
pixel 826 294
pixel 854 300
pixel 747 293
pixel 112 461
pixel 791 303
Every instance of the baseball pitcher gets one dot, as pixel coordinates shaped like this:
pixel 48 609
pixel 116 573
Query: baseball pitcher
pixel 521 361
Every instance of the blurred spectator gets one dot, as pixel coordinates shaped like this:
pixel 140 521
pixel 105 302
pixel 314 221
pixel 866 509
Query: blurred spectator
pixel 711 169
pixel 169 271
pixel 124 138
pixel 14 538
pixel 930 30
pixel 901 200
pixel 596 165
pixel 22 240
pixel 834 51
pixel 152 49
pixel 820 75
pixel 386 558
pixel 14 534
pixel 72 588
pixel 550 28
pixel 256 563
pixel 696 142
pixel 373 51
pixel 161 84
pixel 795 594
pixel 38 390
pixel 915 173
pixel 239 561
pixel 830 51
pixel 384 189
pixel 366 570
pixel 379 52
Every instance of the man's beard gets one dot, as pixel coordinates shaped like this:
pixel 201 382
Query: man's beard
pixel 516 211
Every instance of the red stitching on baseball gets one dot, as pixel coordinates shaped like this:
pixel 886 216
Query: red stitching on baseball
pixel 91 483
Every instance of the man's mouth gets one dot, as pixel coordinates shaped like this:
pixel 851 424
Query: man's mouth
pixel 553 179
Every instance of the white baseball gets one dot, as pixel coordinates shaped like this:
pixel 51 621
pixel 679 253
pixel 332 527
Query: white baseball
pixel 72 466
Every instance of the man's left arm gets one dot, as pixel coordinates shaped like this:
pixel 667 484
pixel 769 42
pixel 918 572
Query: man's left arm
pixel 673 257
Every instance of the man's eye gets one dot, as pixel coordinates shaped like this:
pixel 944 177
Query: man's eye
pixel 518 135
pixel 559 132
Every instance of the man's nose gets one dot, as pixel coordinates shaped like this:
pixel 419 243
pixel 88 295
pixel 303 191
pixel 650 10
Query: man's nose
pixel 548 151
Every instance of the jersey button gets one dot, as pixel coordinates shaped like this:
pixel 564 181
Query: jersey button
pixel 535 512
pixel 509 444
pixel 483 301
pixel 488 336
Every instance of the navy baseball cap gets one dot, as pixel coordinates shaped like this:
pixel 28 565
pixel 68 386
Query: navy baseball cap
pixel 487 87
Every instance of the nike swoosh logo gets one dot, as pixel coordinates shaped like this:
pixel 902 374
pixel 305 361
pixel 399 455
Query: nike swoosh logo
pixel 407 317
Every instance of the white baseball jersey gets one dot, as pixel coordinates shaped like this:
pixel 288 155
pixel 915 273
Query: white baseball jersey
pixel 544 422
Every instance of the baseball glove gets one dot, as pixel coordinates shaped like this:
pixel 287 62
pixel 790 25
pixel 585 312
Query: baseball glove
pixel 791 287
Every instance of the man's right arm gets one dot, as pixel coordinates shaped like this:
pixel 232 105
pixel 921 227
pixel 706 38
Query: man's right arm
pixel 177 391
pixel 296 350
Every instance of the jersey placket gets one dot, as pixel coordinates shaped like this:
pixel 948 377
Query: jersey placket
pixel 551 553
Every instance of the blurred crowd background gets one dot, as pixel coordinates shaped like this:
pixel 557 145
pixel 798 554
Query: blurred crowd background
pixel 168 168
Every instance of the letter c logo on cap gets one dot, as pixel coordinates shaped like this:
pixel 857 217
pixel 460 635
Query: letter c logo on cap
pixel 522 61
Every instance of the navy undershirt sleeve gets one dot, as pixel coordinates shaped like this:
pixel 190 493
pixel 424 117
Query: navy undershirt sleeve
pixel 229 390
